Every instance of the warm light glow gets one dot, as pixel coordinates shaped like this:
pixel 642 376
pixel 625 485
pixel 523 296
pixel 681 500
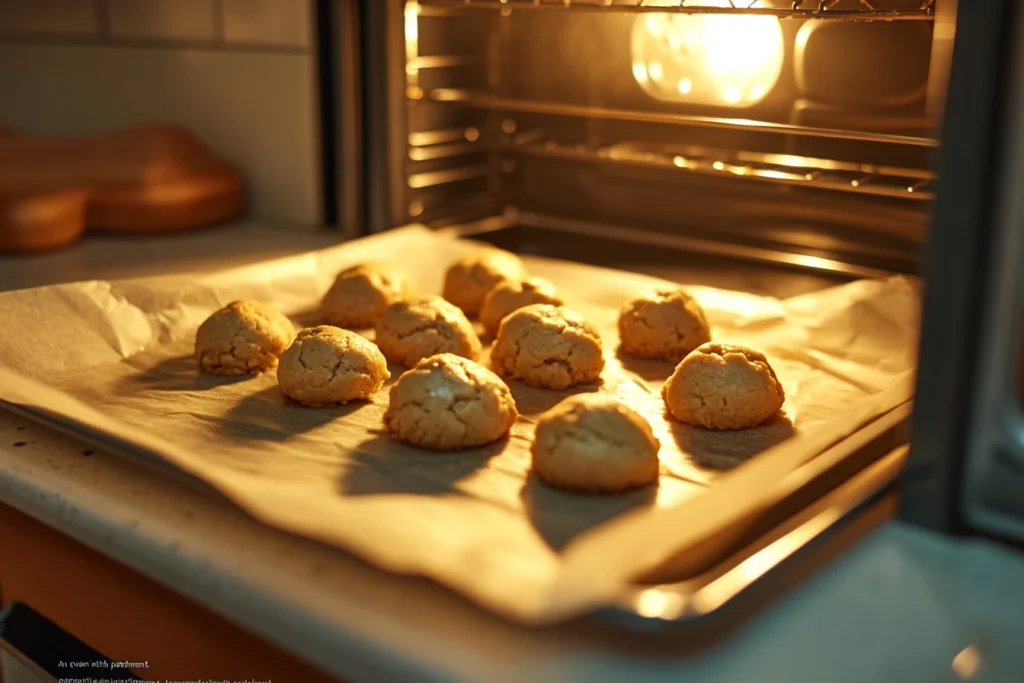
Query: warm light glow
pixel 655 603
pixel 412 22
pixel 716 59
pixel 654 25
pixel 639 72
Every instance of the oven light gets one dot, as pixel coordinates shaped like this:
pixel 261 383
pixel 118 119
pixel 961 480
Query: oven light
pixel 640 72
pixel 718 59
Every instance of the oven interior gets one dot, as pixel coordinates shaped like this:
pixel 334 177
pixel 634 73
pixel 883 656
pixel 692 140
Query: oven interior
pixel 687 133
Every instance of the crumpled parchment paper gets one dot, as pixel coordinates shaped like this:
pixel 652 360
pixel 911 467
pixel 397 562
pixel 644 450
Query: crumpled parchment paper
pixel 116 357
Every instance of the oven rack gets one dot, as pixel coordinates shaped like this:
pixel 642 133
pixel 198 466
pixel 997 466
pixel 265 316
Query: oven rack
pixel 848 10
pixel 783 169
pixel 486 101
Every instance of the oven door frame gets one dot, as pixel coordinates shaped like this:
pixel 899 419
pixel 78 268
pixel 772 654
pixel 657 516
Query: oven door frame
pixel 967 361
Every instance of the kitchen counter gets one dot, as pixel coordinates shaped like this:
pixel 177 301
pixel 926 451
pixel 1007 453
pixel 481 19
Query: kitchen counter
pixel 112 257
pixel 899 606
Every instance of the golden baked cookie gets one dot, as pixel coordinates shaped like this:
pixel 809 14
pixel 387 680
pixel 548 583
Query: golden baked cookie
pixel 512 295
pixel 244 337
pixel 469 279
pixel 360 294
pixel 327 365
pixel 723 386
pixel 594 443
pixel 447 402
pixel 416 328
pixel 548 346
pixel 668 324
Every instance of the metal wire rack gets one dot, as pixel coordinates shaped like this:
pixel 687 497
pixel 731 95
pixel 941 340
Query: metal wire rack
pixel 849 10
pixel 491 102
pixel 823 174
pixel 783 169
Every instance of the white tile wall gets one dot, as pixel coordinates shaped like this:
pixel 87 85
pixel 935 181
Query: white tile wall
pixel 254 109
pixel 239 73
pixel 57 17
pixel 249 24
pixel 267 22
pixel 191 20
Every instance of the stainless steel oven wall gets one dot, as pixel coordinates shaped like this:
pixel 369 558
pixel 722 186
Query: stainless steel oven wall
pixel 240 73
pixel 967 454
pixel 426 160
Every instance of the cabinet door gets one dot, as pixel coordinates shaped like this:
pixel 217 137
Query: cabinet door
pixel 123 616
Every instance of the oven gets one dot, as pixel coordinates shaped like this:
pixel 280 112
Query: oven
pixel 770 145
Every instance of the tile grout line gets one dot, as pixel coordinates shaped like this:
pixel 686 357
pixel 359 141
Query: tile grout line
pixel 72 40
pixel 102 10
pixel 218 22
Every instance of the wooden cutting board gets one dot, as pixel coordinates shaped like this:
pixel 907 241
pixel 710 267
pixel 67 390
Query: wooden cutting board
pixel 153 178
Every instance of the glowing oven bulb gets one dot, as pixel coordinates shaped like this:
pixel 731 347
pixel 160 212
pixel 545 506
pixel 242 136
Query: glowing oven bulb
pixel 713 59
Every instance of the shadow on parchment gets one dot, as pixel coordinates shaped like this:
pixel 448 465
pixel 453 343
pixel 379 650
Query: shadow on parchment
pixel 532 402
pixel 269 415
pixel 723 450
pixel 308 318
pixel 180 373
pixel 647 369
pixel 380 465
pixel 560 516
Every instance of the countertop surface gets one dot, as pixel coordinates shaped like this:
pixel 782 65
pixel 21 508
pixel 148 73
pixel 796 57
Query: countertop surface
pixel 899 606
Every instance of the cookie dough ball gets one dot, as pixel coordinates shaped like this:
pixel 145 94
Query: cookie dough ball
pixel 360 294
pixel 723 386
pixel 594 443
pixel 548 346
pixel 447 402
pixel 327 365
pixel 469 279
pixel 668 324
pixel 511 295
pixel 243 338
pixel 417 328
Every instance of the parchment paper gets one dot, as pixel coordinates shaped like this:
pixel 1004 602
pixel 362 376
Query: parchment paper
pixel 116 356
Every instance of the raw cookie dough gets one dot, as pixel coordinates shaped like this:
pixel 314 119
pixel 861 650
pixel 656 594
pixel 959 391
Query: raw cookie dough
pixel 668 324
pixel 244 337
pixel 548 346
pixel 327 365
pixel 594 443
pixel 512 295
pixel 416 328
pixel 360 294
pixel 447 402
pixel 723 386
pixel 469 279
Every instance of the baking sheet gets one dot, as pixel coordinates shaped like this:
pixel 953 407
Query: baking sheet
pixel 116 356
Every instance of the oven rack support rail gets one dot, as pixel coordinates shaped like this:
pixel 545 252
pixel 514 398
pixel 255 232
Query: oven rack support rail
pixel 847 10
pixel 485 101
pixel 783 169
